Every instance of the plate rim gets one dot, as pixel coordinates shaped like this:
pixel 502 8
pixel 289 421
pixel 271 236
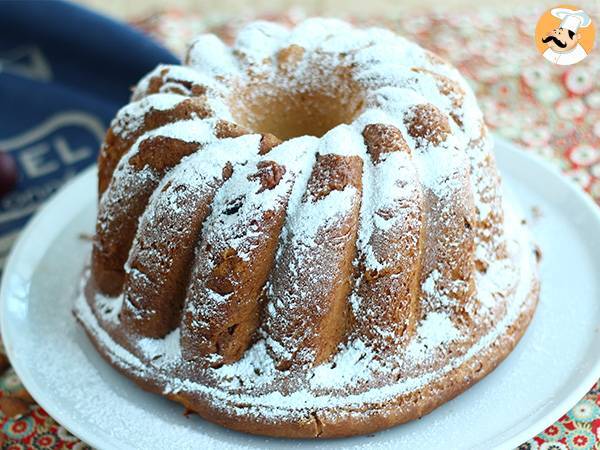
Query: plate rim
pixel 77 428
pixel 588 380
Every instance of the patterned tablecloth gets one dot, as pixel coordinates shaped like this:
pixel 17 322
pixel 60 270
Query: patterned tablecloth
pixel 550 110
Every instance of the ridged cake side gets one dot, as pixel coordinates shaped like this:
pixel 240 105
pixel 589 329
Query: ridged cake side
pixel 261 265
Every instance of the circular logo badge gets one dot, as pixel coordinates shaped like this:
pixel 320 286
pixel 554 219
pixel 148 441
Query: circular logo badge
pixel 565 35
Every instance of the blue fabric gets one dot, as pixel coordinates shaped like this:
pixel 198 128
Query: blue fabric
pixel 64 72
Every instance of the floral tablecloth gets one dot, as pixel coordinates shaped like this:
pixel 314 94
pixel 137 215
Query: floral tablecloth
pixel 550 110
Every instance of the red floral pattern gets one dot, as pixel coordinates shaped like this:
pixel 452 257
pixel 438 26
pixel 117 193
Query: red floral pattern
pixel 550 110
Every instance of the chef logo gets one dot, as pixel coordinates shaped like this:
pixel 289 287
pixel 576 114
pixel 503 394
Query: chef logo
pixel 565 35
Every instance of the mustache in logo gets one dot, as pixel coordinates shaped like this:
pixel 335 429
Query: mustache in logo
pixel 556 41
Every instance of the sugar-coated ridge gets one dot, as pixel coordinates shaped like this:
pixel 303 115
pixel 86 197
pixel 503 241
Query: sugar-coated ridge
pixel 407 189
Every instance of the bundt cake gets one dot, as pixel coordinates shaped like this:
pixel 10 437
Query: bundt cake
pixel 303 235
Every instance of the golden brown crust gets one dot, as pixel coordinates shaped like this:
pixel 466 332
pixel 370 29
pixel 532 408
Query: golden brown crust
pixel 343 422
pixel 390 294
pixel 449 244
pixel 488 226
pixel 155 284
pixel 116 145
pixel 117 223
pixel 446 86
pixel 167 82
pixel 225 129
pixel 268 142
pixel 308 320
pixel 381 139
pixel 427 124
pixel 449 88
pixel 333 173
pixel 224 330
pixel 303 291
pixel 289 56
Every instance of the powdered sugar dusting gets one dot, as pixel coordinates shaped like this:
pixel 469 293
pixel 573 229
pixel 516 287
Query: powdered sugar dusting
pixel 196 176
pixel 346 369
pixel 436 329
pixel 354 363
pixel 210 56
pixel 178 79
pixel 390 202
pixel 164 351
pixel 314 32
pixel 131 117
pixel 395 76
pixel 343 140
pixel 108 308
pixel 317 215
pixel 260 40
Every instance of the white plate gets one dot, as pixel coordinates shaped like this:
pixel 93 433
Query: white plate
pixel 555 364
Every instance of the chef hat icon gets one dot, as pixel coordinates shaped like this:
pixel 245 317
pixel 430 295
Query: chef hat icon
pixel 571 20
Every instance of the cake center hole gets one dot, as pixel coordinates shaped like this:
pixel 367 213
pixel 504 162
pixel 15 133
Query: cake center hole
pixel 291 108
